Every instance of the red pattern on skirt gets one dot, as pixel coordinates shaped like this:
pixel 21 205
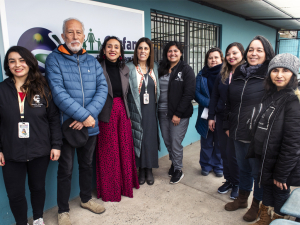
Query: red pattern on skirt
pixel 115 165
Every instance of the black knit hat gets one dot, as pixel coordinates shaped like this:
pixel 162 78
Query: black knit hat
pixel 76 138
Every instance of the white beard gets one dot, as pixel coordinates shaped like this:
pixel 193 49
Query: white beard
pixel 75 48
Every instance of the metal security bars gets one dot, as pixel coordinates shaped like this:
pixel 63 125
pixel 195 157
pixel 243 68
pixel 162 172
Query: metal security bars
pixel 196 37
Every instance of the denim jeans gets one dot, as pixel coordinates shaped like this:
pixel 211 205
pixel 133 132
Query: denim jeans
pixel 249 170
pixel 210 154
pixel 65 168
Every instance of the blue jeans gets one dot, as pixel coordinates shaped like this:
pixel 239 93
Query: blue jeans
pixel 249 170
pixel 210 154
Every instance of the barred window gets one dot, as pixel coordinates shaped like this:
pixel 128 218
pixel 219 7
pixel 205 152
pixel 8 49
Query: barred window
pixel 196 37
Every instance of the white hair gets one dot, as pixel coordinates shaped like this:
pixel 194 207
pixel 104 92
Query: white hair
pixel 71 18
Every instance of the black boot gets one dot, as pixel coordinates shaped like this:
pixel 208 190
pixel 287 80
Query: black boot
pixel 149 176
pixel 142 176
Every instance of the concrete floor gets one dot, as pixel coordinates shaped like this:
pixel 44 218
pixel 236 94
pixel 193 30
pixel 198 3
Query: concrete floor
pixel 192 201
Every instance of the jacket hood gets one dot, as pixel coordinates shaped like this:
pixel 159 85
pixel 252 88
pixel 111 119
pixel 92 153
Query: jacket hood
pixel 64 49
pixel 297 93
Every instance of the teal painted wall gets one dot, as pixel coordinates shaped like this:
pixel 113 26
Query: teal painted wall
pixel 233 29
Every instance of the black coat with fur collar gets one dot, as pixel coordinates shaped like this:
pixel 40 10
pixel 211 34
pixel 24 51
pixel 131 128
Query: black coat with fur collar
pixel 280 154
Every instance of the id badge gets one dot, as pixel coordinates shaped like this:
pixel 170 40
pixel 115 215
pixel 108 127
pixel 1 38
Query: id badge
pixel 146 98
pixel 23 130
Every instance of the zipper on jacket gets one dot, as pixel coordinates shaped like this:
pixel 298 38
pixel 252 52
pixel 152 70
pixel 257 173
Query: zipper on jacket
pixel 242 101
pixel 80 80
pixel 240 109
pixel 262 165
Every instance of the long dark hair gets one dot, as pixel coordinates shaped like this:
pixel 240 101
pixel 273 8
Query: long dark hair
pixel 35 82
pixel 270 87
pixel 164 65
pixel 100 58
pixel 150 60
pixel 215 49
pixel 267 48
pixel 227 68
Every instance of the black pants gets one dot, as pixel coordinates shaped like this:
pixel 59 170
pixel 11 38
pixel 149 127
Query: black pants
pixel 230 166
pixel 275 197
pixel 65 168
pixel 14 174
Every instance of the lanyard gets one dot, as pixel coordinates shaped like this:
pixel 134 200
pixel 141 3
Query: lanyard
pixel 146 78
pixel 21 106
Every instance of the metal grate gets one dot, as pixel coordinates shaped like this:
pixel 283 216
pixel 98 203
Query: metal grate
pixel 196 37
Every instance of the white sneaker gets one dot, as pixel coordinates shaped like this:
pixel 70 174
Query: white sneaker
pixel 39 221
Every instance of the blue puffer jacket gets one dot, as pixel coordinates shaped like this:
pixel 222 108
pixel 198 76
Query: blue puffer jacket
pixel 78 85
pixel 203 98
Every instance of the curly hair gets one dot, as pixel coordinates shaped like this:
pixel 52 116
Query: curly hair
pixel 35 82
pixel 100 58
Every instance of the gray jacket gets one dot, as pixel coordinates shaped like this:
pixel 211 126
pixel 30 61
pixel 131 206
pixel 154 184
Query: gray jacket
pixel 135 107
pixel 106 111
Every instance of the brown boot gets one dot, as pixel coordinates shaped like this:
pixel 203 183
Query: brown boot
pixel 240 202
pixel 277 216
pixel 265 215
pixel 252 213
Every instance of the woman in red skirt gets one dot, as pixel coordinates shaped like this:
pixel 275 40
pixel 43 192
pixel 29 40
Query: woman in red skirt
pixel 115 158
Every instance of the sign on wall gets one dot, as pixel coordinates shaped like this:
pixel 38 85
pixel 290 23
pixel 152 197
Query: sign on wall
pixel 37 25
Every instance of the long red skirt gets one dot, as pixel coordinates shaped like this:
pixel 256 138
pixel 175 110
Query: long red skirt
pixel 115 164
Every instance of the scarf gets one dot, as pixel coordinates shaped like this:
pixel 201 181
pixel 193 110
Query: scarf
pixel 248 70
pixel 211 75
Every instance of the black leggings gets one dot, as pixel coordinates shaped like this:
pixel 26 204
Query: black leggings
pixel 14 174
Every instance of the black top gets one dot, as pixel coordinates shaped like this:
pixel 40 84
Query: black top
pixel 181 91
pixel 218 98
pixel 244 93
pixel 278 131
pixel 44 126
pixel 113 71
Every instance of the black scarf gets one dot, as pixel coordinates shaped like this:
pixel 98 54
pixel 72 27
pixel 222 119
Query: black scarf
pixel 248 70
pixel 211 75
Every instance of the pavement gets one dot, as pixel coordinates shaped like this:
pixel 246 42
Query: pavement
pixel 194 200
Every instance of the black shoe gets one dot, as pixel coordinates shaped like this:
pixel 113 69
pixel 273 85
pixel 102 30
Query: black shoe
pixel 225 187
pixel 177 176
pixel 149 176
pixel 142 179
pixel 171 170
pixel 234 192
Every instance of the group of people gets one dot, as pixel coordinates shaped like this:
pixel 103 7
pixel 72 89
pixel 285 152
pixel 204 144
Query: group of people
pixel 248 121
pixel 248 104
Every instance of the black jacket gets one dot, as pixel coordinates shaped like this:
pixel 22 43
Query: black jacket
pixel 44 126
pixel 181 91
pixel 243 95
pixel 218 98
pixel 278 134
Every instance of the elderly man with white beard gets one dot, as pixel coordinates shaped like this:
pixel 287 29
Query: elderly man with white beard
pixel 79 90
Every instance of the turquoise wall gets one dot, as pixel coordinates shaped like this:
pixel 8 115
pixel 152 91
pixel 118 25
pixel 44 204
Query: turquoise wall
pixel 233 29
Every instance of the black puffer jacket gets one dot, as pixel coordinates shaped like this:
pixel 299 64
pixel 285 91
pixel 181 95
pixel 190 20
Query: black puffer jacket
pixel 279 132
pixel 243 95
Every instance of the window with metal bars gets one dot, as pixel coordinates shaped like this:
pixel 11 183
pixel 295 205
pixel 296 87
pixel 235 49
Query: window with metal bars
pixel 196 37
